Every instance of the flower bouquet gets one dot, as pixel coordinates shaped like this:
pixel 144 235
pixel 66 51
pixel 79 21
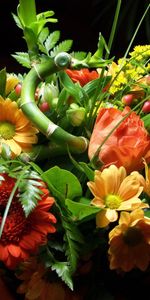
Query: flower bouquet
pixel 74 168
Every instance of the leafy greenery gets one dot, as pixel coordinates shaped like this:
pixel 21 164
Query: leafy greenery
pixel 73 240
pixel 2 82
pixel 81 210
pixel 29 191
pixel 28 185
pixel 23 59
pixel 67 184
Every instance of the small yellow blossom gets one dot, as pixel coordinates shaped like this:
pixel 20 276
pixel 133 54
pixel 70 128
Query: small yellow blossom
pixel 131 69
pixel 140 52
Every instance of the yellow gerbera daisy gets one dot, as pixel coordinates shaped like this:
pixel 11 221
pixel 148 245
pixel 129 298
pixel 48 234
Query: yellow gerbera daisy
pixel 16 130
pixel 114 191
pixel 130 242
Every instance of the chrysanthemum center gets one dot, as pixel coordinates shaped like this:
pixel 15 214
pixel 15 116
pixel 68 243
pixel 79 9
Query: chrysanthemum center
pixel 112 201
pixel 133 236
pixel 7 130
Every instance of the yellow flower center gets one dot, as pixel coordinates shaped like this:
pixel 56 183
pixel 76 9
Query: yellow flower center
pixel 112 201
pixel 133 236
pixel 7 130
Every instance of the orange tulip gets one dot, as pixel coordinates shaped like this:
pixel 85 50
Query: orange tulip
pixel 128 144
pixel 82 76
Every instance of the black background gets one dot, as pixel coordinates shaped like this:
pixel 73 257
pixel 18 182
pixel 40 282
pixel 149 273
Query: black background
pixel 79 20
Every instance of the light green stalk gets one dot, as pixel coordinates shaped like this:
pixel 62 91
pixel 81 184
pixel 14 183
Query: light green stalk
pixel 53 132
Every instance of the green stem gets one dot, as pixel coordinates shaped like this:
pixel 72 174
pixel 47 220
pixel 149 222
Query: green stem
pixel 114 26
pixel 136 31
pixel 53 132
pixel 41 152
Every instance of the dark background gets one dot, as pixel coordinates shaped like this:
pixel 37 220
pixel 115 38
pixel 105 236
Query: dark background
pixel 79 20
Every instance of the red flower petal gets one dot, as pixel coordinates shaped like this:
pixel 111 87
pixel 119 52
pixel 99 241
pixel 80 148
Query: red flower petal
pixel 14 250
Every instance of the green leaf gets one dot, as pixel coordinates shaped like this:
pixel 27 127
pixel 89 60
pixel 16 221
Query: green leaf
pixel 51 41
pixel 62 47
pixel 3 77
pixel 44 15
pixel 3 168
pixel 30 35
pixel 24 7
pixel 36 168
pixel 80 210
pixel 43 35
pixel 60 267
pixel 147 212
pixel 73 241
pixel 63 271
pixel 17 21
pixel 5 151
pixel 41 39
pixel 62 100
pixel 95 84
pixel 80 55
pixel 87 170
pixel 70 87
pixel 67 183
pixel 38 26
pixel 146 120
pixel 29 191
pixel 22 58
pixel 75 163
pixel 101 46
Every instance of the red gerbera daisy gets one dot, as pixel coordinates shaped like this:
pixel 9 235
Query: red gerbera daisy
pixel 23 235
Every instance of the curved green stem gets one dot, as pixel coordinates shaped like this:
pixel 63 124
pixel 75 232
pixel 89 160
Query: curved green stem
pixel 43 151
pixel 27 103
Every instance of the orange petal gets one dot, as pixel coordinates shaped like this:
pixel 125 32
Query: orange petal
pixel 101 220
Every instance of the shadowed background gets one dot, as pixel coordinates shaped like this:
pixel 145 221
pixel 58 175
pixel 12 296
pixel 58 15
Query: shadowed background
pixel 78 20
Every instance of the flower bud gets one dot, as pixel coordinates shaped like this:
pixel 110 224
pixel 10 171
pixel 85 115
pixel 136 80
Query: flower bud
pixel 146 107
pixel 75 114
pixel 128 99
pixel 47 93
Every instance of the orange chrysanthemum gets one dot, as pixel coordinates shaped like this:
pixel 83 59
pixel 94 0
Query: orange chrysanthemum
pixel 130 242
pixel 82 76
pixel 15 129
pixel 39 284
pixel 114 191
pixel 23 235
